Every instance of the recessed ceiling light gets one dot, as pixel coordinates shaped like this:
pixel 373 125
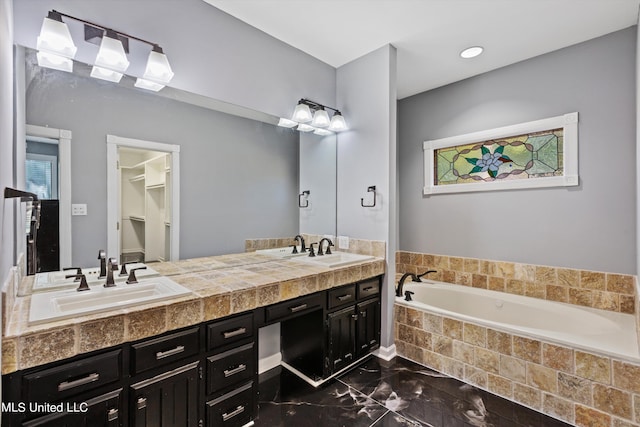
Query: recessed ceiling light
pixel 471 52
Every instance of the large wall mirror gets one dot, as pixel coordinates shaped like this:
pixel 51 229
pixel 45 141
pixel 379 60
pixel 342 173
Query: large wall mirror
pixel 241 176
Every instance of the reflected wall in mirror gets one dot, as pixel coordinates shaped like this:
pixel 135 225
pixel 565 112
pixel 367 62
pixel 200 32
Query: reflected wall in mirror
pixel 240 177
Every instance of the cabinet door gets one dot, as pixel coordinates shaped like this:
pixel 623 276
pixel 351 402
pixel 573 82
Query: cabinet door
pixel 101 411
pixel 368 326
pixel 167 400
pixel 342 338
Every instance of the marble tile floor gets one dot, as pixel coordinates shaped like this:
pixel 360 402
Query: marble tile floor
pixel 387 394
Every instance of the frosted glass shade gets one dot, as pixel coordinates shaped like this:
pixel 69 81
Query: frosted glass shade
pixel 55 38
pixel 338 123
pixel 111 54
pixel 105 74
pixel 320 119
pixel 305 128
pixel 322 132
pixel 158 68
pixel 302 113
pixel 57 62
pixel 148 85
pixel 286 123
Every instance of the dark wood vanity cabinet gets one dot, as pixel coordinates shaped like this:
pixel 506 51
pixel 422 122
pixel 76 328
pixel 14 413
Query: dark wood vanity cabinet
pixel 203 375
pixel 353 323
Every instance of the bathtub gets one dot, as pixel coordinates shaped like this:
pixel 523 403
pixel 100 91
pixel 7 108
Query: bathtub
pixel 600 331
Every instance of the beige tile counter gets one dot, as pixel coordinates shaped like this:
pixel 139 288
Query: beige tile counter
pixel 221 285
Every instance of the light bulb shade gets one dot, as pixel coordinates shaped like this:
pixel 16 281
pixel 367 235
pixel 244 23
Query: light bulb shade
pixel 57 62
pixel 105 74
pixel 158 69
pixel 338 123
pixel 305 128
pixel 55 37
pixel 286 123
pixel 302 113
pixel 111 54
pixel 323 132
pixel 148 85
pixel 320 119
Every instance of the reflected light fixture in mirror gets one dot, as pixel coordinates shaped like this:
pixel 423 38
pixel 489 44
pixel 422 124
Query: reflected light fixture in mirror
pixel 55 45
pixel 320 122
pixel 56 50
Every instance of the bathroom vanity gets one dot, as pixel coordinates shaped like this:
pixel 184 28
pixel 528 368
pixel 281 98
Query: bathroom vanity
pixel 201 368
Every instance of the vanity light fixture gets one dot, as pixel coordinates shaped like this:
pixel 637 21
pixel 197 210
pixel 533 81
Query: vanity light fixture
pixel 56 50
pixel 55 45
pixel 319 118
pixel 471 52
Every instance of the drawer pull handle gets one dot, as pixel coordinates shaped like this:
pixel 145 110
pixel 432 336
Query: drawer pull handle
pixel 348 356
pixel 230 372
pixel 297 308
pixel 367 289
pixel 77 383
pixel 335 362
pixel 112 415
pixel 344 297
pixel 363 313
pixel 238 411
pixel 231 334
pixel 142 403
pixel 162 354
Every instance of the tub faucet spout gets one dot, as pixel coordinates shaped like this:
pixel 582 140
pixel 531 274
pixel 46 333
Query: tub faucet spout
pixel 401 282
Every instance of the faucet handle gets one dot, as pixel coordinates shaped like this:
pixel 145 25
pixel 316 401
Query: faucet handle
pixel 78 272
pixel 83 281
pixel 295 249
pixel 123 270
pixel 328 251
pixel 132 275
pixel 102 254
pixel 312 252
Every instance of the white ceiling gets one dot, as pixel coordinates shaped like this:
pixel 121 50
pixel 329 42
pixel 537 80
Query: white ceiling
pixel 429 34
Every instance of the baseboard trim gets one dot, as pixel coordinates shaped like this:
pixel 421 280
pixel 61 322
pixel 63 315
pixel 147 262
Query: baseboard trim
pixel 269 362
pixel 386 353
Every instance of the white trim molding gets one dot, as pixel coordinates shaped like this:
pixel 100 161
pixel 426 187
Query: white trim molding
pixel 386 353
pixel 63 138
pixel 569 123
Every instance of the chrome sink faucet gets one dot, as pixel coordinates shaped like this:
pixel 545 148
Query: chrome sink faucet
pixel 111 267
pixel 303 247
pixel 329 244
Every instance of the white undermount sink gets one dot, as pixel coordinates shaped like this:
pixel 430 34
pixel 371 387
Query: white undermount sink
pixel 336 259
pixel 64 304
pixel 57 279
pixel 283 253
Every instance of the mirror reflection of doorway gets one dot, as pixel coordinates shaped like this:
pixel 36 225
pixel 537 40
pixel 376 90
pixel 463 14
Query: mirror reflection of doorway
pixel 145 205
pixel 143 200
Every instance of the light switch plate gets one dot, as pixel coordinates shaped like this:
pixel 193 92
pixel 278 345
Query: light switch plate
pixel 78 209
pixel 343 242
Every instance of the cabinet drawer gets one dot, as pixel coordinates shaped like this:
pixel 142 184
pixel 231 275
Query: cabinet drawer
pixel 230 367
pixel 283 310
pixel 164 350
pixel 368 288
pixel 341 296
pixel 233 409
pixel 54 384
pixel 230 331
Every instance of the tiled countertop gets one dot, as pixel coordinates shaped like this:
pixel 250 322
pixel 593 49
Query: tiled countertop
pixel 222 286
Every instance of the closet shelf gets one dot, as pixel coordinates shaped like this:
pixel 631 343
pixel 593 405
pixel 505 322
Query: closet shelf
pixel 154 186
pixel 137 178
pixel 137 218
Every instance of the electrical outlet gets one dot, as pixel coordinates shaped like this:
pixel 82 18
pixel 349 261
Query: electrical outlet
pixel 343 242
pixel 78 209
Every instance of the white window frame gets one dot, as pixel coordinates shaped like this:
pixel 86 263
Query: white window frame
pixel 569 123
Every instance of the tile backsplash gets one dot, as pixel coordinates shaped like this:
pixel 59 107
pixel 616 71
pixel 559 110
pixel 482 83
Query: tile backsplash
pixel 606 291
pixel 375 248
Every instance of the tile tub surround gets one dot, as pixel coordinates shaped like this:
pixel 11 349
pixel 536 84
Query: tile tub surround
pixel 217 292
pixel 605 291
pixel 575 386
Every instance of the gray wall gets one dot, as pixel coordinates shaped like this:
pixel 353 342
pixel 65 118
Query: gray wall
pixel 592 226
pixel 239 177
pixel 367 156
pixel 211 53
pixel 7 230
